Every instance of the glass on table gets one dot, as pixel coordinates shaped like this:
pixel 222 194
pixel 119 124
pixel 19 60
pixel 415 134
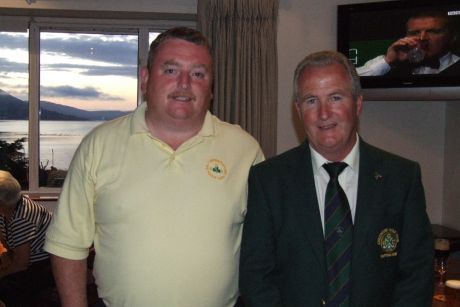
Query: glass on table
pixel 441 254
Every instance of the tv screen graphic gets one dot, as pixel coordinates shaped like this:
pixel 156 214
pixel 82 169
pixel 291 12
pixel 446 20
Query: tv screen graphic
pixel 402 43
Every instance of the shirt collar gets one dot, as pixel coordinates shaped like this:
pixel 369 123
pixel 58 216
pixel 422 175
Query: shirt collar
pixel 352 159
pixel 139 125
pixel 209 128
pixel 447 60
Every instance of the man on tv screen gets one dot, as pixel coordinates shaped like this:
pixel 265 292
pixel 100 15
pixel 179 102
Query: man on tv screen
pixel 426 49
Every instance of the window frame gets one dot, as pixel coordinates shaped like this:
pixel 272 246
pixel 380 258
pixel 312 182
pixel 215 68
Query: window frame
pixel 103 22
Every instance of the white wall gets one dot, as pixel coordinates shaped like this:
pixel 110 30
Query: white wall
pixel 451 212
pixel 414 130
pixel 417 130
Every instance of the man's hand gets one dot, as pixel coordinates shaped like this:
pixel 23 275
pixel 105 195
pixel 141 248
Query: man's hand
pixel 398 51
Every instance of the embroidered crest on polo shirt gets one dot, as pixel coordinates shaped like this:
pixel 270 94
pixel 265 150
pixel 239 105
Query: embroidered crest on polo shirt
pixel 388 241
pixel 216 169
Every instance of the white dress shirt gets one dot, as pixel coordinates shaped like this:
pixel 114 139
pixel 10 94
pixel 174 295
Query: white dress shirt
pixel 378 66
pixel 348 178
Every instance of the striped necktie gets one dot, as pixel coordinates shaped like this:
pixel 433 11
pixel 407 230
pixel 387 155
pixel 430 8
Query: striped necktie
pixel 338 238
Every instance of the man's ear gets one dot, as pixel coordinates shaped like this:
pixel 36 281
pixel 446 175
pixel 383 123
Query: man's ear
pixel 144 79
pixel 359 105
pixel 298 108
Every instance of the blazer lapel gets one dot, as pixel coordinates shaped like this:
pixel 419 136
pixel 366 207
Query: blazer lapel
pixel 305 202
pixel 370 190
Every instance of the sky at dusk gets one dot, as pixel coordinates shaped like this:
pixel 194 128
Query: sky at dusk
pixel 87 71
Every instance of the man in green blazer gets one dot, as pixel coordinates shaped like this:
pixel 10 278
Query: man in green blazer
pixel 285 260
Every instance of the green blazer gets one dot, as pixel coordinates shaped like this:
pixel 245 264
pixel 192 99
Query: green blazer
pixel 282 252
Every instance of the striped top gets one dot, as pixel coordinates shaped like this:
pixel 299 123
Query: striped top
pixel 29 224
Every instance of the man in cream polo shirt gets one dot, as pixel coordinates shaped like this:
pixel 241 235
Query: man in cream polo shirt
pixel 161 193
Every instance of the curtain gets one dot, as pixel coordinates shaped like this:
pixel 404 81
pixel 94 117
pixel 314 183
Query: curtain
pixel 242 34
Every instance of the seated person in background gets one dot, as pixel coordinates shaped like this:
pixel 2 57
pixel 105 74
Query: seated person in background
pixel 25 268
pixel 426 49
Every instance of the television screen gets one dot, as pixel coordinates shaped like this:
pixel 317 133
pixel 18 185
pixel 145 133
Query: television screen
pixel 402 43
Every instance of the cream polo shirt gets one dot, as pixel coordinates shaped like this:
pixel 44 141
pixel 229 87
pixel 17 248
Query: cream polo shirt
pixel 166 225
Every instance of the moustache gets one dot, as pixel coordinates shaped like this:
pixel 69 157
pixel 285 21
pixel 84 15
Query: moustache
pixel 182 95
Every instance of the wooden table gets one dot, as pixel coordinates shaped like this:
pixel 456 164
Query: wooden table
pixel 451 297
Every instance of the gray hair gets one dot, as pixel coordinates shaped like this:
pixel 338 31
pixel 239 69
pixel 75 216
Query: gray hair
pixel 10 189
pixel 323 59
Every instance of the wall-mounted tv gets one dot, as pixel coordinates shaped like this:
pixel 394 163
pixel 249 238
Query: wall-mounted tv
pixel 419 32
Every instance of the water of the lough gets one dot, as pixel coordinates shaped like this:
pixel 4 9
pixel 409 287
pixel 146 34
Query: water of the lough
pixel 58 139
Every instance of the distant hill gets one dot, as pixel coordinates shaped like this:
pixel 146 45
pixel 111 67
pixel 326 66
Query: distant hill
pixel 88 115
pixel 12 108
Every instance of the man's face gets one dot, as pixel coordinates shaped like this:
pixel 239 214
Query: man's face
pixel 433 35
pixel 328 110
pixel 178 87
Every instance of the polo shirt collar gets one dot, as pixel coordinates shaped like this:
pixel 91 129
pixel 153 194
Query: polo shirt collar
pixel 139 125
pixel 209 128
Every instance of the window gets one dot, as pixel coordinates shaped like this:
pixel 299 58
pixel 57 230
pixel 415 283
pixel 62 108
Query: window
pixel 59 78
pixel 84 79
pixel 14 60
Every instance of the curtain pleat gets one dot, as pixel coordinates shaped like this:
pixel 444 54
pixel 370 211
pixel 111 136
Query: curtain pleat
pixel 242 34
